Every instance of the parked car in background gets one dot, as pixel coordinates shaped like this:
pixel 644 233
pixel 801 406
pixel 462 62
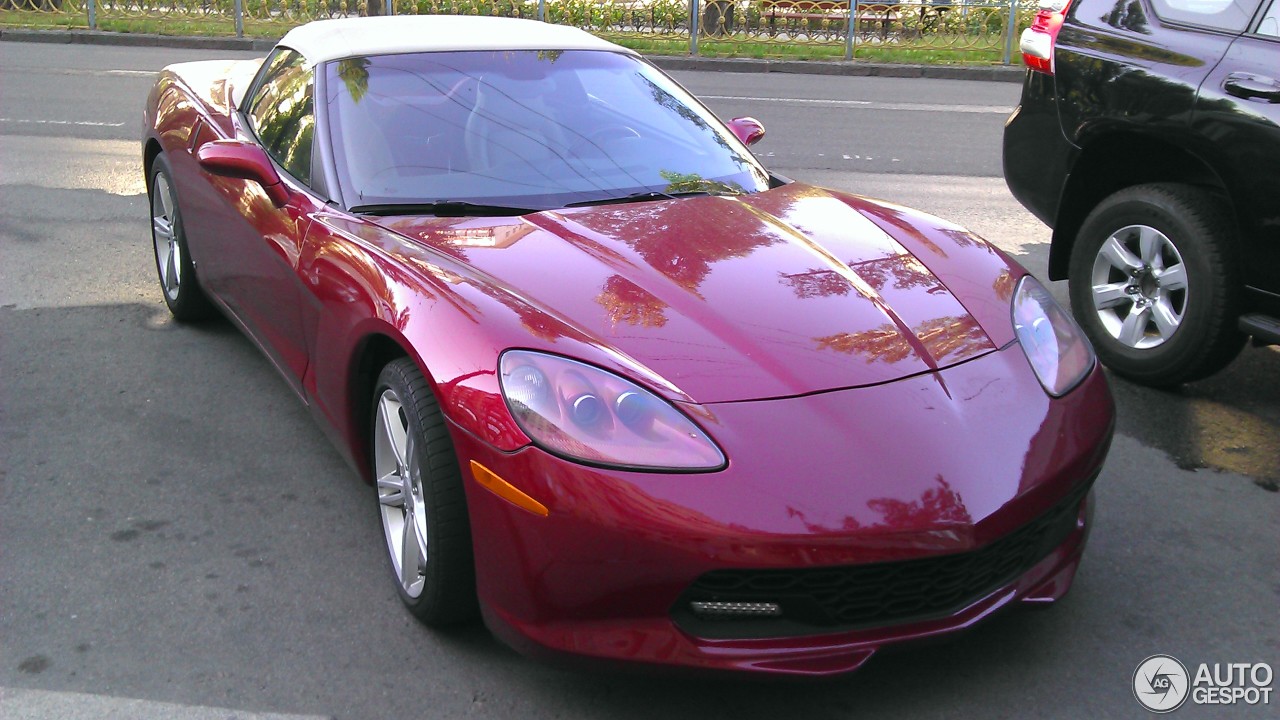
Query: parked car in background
pixel 1148 138
pixel 618 388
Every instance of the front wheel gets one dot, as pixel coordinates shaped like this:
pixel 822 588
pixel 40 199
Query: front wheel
pixel 1154 283
pixel 421 500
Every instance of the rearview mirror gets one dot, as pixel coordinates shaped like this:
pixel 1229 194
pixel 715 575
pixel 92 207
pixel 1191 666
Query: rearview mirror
pixel 236 159
pixel 748 129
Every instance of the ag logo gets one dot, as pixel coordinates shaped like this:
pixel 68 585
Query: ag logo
pixel 1161 683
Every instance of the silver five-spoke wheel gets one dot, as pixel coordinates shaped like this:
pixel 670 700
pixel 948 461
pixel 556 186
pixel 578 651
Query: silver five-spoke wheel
pixel 178 281
pixel 404 512
pixel 421 499
pixel 1139 286
pixel 168 249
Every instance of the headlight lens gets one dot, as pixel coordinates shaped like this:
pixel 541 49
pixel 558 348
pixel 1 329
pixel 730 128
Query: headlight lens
pixel 1054 344
pixel 584 413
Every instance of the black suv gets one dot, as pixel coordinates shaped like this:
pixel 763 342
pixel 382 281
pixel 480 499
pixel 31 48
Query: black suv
pixel 1148 138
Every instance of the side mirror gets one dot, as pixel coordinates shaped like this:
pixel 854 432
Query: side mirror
pixel 748 129
pixel 236 159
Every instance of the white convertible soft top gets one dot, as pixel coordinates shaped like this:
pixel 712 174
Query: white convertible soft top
pixel 326 40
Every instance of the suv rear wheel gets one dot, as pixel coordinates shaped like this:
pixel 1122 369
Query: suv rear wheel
pixel 1154 283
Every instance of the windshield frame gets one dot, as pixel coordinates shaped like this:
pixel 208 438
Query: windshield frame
pixel 757 177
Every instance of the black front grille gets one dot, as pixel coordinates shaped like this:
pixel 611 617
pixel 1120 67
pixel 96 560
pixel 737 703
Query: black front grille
pixel 816 600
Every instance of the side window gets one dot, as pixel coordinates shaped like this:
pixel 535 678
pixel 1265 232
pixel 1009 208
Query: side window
pixel 1229 15
pixel 1270 24
pixel 282 113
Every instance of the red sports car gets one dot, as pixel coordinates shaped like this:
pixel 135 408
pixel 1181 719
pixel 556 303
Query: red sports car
pixel 620 390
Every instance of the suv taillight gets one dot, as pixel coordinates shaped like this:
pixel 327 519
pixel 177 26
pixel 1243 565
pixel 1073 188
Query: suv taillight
pixel 1038 40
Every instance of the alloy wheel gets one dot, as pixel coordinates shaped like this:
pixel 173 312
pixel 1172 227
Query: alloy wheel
pixel 400 496
pixel 1139 287
pixel 164 233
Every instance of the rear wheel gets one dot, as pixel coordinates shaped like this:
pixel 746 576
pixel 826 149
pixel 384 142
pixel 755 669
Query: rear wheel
pixel 178 283
pixel 1155 283
pixel 421 500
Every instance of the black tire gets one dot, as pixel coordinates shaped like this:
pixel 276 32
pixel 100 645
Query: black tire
pixel 178 283
pixel 442 590
pixel 1198 307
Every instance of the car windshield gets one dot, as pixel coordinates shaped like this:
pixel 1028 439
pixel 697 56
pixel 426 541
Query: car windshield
pixel 524 130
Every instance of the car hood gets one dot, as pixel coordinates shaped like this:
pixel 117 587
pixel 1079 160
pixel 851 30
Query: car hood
pixel 778 294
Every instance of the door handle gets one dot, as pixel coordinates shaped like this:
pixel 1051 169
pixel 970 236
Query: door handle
pixel 1249 86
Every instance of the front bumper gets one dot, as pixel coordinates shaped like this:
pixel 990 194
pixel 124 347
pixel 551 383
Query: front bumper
pixel 939 465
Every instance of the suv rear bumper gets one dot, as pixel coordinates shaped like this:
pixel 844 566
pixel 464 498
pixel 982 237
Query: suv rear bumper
pixel 1036 154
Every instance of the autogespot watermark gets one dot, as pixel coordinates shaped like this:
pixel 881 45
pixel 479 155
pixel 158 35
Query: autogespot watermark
pixel 1162 684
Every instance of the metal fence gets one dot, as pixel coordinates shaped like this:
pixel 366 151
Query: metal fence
pixel 831 28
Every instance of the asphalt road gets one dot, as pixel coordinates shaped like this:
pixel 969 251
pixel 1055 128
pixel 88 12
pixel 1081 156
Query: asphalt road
pixel 178 540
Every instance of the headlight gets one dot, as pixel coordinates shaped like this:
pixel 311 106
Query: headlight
pixel 583 413
pixel 1054 344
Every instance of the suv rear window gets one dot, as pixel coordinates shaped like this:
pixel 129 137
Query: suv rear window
pixel 1232 15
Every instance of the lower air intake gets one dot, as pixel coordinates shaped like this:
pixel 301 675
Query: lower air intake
pixel 746 603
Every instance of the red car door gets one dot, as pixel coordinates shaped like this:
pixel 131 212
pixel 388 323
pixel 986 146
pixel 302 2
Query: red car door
pixel 254 269
pixel 253 246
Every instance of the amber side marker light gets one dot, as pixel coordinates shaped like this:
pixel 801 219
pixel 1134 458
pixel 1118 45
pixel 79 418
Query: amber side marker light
pixel 490 481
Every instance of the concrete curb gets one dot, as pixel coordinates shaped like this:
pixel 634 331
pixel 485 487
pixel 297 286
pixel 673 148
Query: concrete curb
pixel 1009 73
pixel 1003 73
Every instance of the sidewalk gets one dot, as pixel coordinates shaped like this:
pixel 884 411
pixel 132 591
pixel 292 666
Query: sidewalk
pixel 1005 73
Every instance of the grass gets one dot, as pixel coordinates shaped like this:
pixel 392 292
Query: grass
pixel 201 26
pixel 42 21
pixel 906 51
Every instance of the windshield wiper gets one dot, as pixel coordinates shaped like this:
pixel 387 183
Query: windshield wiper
pixel 640 197
pixel 444 208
